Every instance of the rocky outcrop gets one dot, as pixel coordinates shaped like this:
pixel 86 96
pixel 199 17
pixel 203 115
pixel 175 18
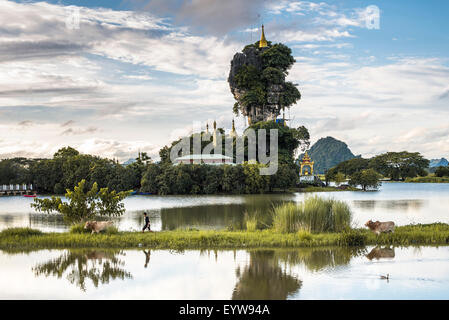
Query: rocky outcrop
pixel 271 109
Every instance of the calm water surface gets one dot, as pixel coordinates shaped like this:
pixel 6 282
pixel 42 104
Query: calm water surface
pixel 415 273
pixel 404 203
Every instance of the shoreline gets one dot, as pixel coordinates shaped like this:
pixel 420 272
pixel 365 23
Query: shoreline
pixel 28 239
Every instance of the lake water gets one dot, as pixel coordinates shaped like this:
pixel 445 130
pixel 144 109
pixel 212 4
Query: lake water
pixel 415 273
pixel 403 203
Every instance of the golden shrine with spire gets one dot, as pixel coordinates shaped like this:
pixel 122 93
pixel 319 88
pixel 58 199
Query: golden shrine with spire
pixel 263 42
pixel 306 162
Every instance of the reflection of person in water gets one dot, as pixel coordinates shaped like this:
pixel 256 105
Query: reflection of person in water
pixel 147 257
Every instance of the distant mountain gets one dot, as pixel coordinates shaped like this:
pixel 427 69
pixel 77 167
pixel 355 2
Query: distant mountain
pixel 328 152
pixel 435 163
pixel 128 162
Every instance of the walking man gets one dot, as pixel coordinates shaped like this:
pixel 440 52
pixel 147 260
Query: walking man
pixel 147 222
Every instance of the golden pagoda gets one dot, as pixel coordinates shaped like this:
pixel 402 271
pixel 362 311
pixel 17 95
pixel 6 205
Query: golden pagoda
pixel 263 42
pixel 214 137
pixel 306 162
pixel 233 132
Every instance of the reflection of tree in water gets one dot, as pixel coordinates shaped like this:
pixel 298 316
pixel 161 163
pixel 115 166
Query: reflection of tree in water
pixel 210 216
pixel 263 279
pixel 79 265
pixel 218 216
pixel 405 205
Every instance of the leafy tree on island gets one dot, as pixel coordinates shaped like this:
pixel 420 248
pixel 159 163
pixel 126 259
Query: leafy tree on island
pixel 84 204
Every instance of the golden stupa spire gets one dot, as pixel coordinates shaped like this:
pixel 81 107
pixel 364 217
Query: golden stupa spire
pixel 233 133
pixel 214 137
pixel 263 42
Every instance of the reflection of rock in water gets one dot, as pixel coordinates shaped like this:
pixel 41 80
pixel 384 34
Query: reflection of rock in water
pixel 263 279
pixel 79 265
pixel 381 253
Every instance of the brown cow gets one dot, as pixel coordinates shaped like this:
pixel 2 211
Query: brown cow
pixel 378 227
pixel 97 226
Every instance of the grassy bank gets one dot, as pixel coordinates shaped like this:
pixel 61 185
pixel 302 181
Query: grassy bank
pixel 428 179
pixel 27 239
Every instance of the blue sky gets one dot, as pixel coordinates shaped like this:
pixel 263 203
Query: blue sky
pixel 138 74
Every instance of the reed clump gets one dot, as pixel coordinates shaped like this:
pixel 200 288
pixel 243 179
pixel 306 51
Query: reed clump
pixel 315 214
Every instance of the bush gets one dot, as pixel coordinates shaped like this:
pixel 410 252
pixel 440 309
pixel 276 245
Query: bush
pixel 315 214
pixel 304 235
pixel 112 230
pixel 24 232
pixel 352 238
pixel 78 228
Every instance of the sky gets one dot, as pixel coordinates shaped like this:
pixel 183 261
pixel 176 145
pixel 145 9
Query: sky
pixel 114 77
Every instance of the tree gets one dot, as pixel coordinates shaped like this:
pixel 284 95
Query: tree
pixel 149 179
pixel 254 182
pixel 400 165
pixel 339 178
pixel 258 81
pixel 442 172
pixel 367 178
pixel 84 205
pixel 66 152
pixel 289 139
pixel 349 167
pixel 286 177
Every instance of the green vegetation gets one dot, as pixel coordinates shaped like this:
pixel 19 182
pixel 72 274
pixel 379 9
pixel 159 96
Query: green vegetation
pixel 442 172
pixel 339 178
pixel 398 166
pixel 367 178
pixel 314 215
pixel 329 152
pixel 428 179
pixel 20 232
pixel 68 167
pixel 84 205
pixel 264 73
pixel 433 234
pixel 289 139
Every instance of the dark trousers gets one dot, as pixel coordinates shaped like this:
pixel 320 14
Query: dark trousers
pixel 146 226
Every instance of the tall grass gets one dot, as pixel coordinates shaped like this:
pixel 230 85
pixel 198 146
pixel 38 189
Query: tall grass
pixel 21 232
pixel 315 215
pixel 256 220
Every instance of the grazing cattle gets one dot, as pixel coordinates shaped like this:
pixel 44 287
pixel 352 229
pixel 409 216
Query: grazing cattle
pixel 378 227
pixel 97 226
